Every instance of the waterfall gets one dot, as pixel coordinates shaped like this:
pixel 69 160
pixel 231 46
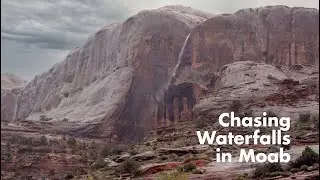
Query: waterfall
pixel 179 60
pixel 160 94
pixel 15 108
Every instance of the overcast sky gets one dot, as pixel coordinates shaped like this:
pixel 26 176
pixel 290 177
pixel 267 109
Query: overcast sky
pixel 35 34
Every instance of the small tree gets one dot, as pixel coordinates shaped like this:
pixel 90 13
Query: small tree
pixel 129 166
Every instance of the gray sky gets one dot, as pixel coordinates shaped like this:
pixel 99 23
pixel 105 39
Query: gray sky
pixel 35 34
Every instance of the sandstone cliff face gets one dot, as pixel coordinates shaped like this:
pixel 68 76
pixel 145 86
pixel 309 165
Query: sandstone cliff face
pixel 112 80
pixel 276 35
pixel 272 34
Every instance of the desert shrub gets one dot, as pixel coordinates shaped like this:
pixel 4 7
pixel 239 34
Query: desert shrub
pixel 25 149
pixel 93 145
pixel 99 163
pixel 248 113
pixel 129 166
pixel 285 174
pixel 163 157
pixel 294 170
pixel 28 141
pixel 279 173
pixel 42 118
pixel 116 150
pixel 8 146
pixel 308 157
pixel 72 142
pixel 43 141
pixel 187 167
pixel 201 124
pixel 93 154
pixel 304 168
pixel 304 117
pixel 174 175
pixel 133 152
pixel 196 171
pixel 52 172
pixel 266 169
pixel 15 139
pixel 65 120
pixel 242 176
pixel 105 151
pixel 235 106
pixel 8 157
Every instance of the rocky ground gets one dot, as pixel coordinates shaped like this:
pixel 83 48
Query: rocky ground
pixel 27 154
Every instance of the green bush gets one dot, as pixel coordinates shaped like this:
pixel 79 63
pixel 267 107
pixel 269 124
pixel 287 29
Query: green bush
pixel 72 142
pixel 304 117
pixel 187 167
pixel 304 168
pixel 308 157
pixel 129 166
pixel 275 174
pixel 242 176
pixel 266 169
pixel 175 175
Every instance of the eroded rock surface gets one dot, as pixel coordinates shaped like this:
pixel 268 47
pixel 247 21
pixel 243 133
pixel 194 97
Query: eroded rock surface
pixel 111 81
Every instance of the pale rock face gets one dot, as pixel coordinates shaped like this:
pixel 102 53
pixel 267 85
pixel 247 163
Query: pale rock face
pixel 10 81
pixel 10 87
pixel 113 78
pixel 273 34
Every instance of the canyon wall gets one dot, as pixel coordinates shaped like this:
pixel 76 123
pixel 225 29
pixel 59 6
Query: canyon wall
pixel 274 34
pixel 112 80
pixel 117 83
